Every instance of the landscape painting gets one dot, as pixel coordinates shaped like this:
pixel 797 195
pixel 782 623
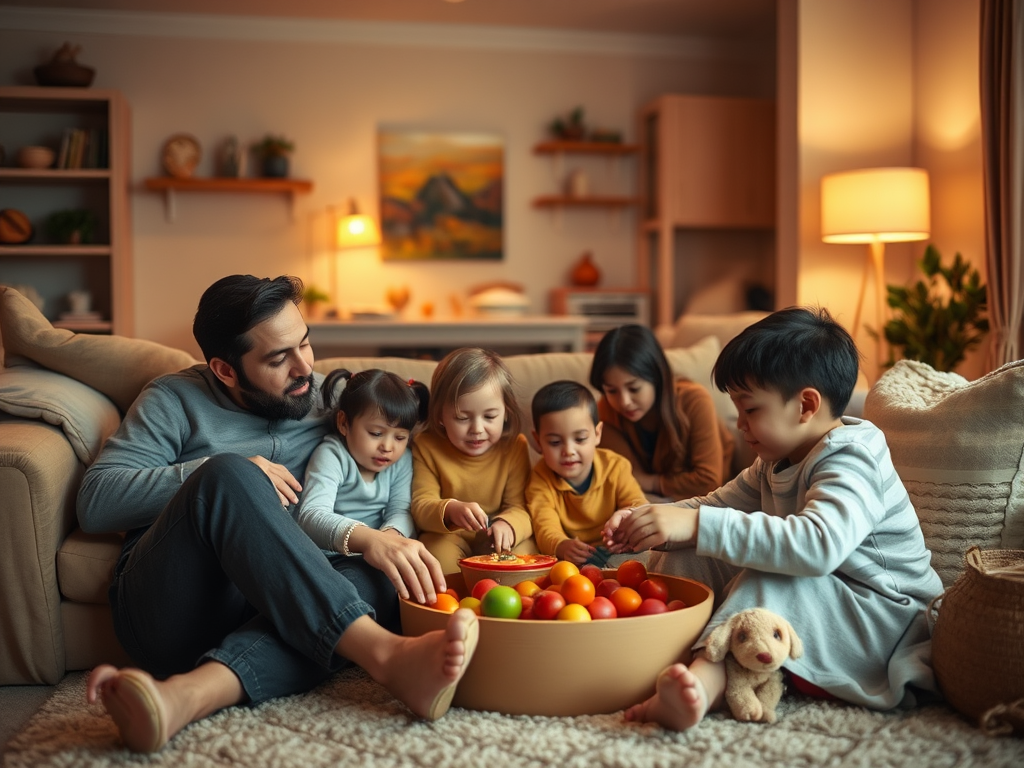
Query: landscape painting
pixel 441 195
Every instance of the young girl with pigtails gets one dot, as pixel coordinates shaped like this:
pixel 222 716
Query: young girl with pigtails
pixel 358 482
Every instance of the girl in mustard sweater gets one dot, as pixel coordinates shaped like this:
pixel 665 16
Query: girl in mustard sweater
pixel 669 430
pixel 471 465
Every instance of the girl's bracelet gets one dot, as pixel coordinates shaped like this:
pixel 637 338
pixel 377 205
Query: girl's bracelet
pixel 344 542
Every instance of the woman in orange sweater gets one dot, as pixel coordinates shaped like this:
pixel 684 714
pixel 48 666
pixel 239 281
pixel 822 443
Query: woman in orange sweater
pixel 668 429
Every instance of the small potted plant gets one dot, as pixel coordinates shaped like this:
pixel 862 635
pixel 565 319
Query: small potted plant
pixel 313 297
pixel 273 153
pixel 75 226
pixel 938 321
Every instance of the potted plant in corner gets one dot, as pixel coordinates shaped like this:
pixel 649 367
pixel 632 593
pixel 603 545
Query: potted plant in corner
pixel 273 153
pixel 938 321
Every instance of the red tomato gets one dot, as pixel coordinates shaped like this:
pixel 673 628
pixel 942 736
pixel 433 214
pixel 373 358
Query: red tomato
pixel 626 601
pixel 543 582
pixel 578 589
pixel 606 587
pixel 453 593
pixel 631 573
pixel 675 605
pixel 482 587
pixel 651 606
pixel 593 573
pixel 527 615
pixel 546 604
pixel 527 601
pixel 602 608
pixel 653 587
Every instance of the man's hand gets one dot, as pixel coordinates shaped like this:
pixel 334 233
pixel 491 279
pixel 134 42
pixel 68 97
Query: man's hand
pixel 465 514
pixel 502 536
pixel 574 550
pixel 651 526
pixel 406 562
pixel 285 484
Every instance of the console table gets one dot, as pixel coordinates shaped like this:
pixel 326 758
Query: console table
pixel 554 333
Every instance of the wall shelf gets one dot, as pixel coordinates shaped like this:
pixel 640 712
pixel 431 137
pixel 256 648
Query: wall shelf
pixel 55 249
pixel 170 185
pixel 589 201
pixel 584 148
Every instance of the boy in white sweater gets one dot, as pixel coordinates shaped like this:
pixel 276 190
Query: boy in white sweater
pixel 819 529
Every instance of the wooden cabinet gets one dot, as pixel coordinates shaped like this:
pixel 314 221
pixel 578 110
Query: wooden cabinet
pixel 707 163
pixel 36 116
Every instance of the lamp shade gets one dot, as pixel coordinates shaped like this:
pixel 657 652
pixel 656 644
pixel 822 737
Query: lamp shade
pixel 356 229
pixel 888 205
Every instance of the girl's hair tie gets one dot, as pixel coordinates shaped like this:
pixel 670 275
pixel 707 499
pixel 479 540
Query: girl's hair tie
pixel 411 382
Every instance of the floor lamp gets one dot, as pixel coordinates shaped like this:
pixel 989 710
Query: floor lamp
pixel 875 206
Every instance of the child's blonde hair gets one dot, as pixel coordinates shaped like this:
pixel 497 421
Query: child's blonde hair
pixel 466 370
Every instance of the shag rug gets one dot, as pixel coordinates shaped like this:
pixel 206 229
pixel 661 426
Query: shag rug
pixel 352 721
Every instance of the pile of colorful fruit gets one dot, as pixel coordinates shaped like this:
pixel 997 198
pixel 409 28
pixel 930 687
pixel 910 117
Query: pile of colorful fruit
pixel 568 593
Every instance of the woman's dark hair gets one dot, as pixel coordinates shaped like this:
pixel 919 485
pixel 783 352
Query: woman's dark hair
pixel 791 349
pixel 403 404
pixel 234 305
pixel 634 348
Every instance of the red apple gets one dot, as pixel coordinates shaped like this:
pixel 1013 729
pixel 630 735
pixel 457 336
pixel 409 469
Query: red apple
pixel 602 608
pixel 547 604
pixel 653 587
pixel 675 605
pixel 607 586
pixel 482 587
pixel 650 606
pixel 593 573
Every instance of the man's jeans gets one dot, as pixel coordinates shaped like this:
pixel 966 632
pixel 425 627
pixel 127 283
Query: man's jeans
pixel 226 574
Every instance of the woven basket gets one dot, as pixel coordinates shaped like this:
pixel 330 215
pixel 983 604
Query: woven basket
pixel 978 640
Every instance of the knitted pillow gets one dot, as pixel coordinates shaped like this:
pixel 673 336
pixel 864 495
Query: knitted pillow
pixel 958 446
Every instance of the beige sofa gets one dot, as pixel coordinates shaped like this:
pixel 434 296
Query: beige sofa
pixel 958 445
pixel 61 395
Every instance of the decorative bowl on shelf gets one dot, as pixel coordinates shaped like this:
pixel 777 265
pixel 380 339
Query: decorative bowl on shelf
pixel 36 157
pixel 506 568
pixel 500 302
pixel 568 668
pixel 63 71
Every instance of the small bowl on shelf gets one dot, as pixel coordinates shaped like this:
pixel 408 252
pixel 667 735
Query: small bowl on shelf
pixel 35 157
pixel 506 569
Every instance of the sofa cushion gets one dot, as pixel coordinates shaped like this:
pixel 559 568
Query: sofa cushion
pixel 85 565
pixel 117 366
pixel 87 417
pixel 958 446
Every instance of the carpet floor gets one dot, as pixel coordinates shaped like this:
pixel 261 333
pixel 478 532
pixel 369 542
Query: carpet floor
pixel 352 721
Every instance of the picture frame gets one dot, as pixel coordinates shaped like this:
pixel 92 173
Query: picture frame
pixel 442 195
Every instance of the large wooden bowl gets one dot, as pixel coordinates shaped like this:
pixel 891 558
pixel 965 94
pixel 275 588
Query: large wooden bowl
pixel 565 668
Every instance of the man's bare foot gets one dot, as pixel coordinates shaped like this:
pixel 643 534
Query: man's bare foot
pixel 149 712
pixel 424 671
pixel 133 700
pixel 679 701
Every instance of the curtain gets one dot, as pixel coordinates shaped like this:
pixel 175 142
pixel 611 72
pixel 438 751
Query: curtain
pixel 1002 124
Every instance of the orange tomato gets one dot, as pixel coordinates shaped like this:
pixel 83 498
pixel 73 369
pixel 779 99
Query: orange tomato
pixel 578 589
pixel 573 612
pixel 527 588
pixel 446 603
pixel 631 573
pixel 562 570
pixel 626 600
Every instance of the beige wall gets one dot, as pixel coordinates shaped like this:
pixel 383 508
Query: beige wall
pixel 330 90
pixel 887 82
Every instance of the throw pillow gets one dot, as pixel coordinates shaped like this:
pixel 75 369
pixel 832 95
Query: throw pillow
pixel 117 366
pixel 87 417
pixel 958 446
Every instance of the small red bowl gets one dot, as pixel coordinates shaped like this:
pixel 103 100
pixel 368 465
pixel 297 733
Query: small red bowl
pixel 507 572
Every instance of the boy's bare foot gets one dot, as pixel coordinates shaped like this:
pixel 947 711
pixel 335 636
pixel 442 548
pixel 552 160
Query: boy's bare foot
pixel 424 671
pixel 133 700
pixel 679 701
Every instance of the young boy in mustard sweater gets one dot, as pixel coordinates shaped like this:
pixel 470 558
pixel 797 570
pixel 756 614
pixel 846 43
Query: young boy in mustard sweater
pixel 576 486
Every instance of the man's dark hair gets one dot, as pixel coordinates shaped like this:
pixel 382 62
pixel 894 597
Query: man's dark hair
pixel 561 396
pixel 789 350
pixel 235 304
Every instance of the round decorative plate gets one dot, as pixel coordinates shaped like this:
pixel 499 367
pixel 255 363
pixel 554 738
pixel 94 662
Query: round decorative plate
pixel 181 155
pixel 508 562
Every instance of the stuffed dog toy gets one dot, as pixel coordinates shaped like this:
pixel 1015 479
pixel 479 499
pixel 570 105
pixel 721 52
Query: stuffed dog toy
pixel 754 644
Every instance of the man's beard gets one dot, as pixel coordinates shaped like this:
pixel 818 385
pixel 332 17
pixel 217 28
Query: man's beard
pixel 277 407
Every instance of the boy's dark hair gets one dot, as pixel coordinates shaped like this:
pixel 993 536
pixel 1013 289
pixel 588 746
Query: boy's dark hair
pixel 235 304
pixel 791 349
pixel 561 396
pixel 402 403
